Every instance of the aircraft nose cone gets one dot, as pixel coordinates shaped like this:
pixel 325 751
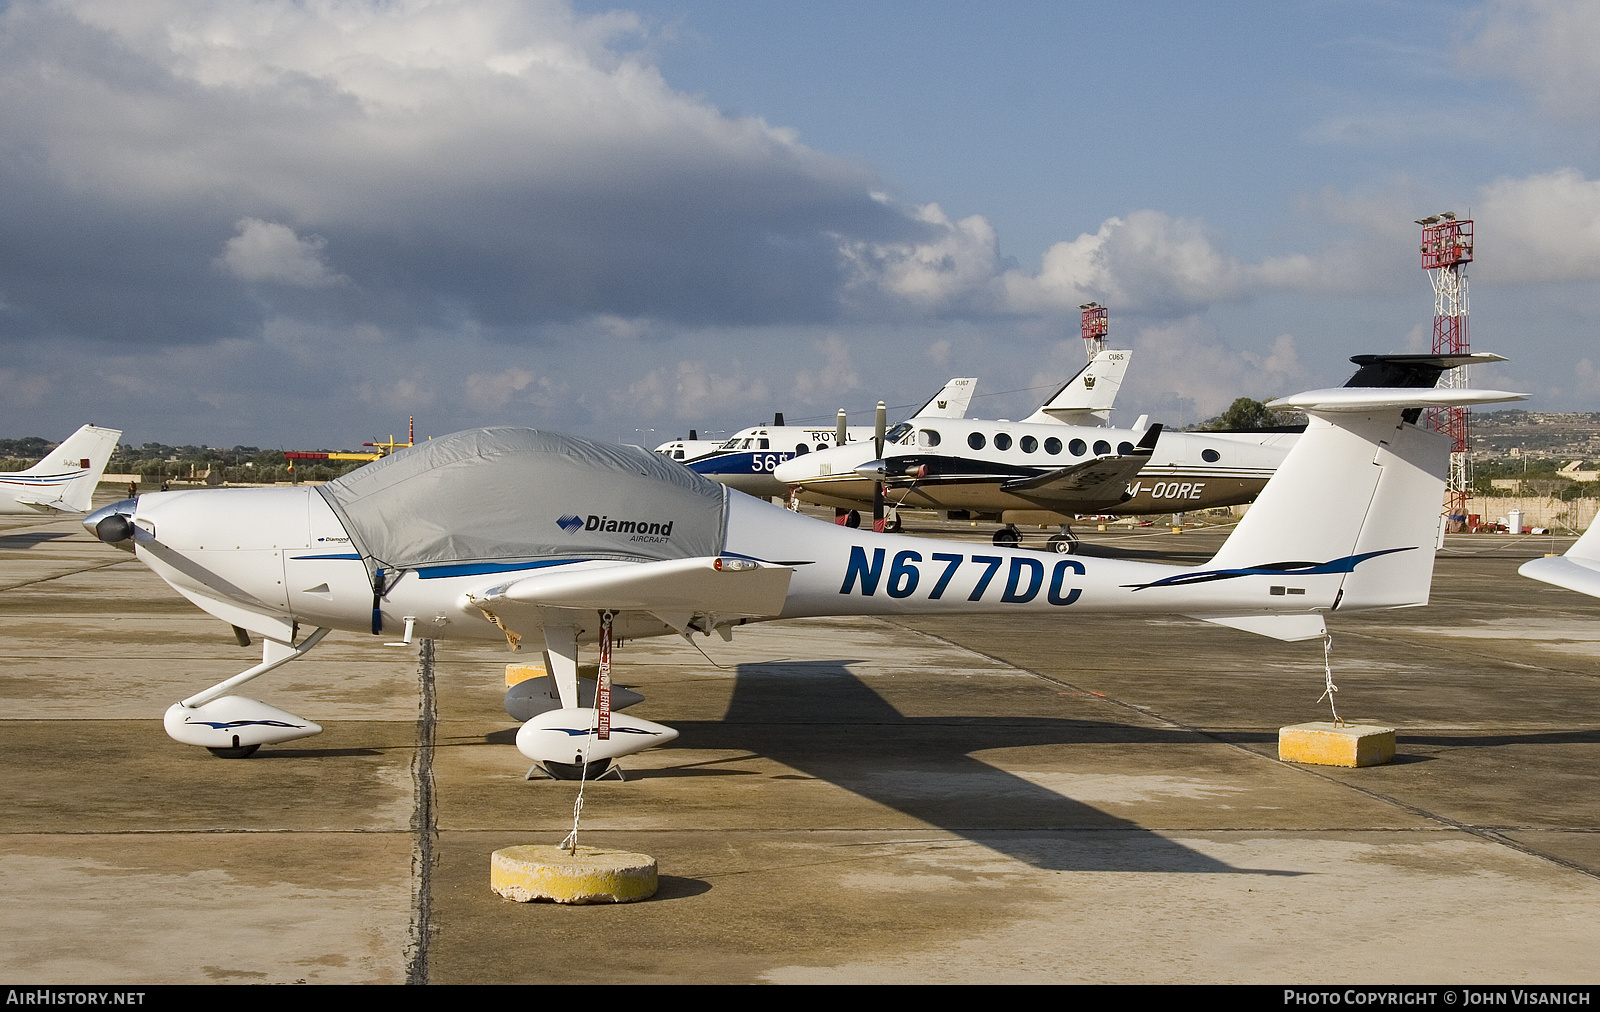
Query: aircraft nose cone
pixel 874 470
pixel 794 471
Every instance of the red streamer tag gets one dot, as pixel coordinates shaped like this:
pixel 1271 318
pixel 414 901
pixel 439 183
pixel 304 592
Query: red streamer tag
pixel 602 695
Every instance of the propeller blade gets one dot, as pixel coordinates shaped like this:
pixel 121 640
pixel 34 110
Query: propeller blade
pixel 880 425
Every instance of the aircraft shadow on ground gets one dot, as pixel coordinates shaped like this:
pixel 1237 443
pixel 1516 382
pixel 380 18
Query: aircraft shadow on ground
pixel 822 721
pixel 15 542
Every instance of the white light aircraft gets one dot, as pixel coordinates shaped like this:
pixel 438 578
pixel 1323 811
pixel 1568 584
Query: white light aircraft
pixel 1032 473
pixel 64 481
pixel 537 536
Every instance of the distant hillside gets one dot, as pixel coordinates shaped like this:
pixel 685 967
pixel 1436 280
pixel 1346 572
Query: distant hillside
pixel 1574 435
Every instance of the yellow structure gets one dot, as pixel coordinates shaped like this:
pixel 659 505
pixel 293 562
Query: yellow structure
pixel 593 875
pixel 1325 743
pixel 516 674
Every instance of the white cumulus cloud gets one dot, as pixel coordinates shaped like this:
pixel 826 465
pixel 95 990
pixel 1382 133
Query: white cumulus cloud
pixel 268 251
pixel 1544 227
pixel 1552 47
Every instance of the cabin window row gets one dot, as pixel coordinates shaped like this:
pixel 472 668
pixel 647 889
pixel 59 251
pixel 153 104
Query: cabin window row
pixel 1029 444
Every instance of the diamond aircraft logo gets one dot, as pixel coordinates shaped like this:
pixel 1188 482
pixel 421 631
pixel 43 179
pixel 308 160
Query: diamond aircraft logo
pixel 570 523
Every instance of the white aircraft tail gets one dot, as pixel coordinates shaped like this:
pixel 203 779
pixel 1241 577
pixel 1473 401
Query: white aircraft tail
pixel 1359 494
pixel 1577 570
pixel 66 478
pixel 951 401
pixel 1086 398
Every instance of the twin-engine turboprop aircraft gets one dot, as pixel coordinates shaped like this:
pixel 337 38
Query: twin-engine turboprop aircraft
pixel 64 481
pixel 536 536
pixel 747 460
pixel 1027 473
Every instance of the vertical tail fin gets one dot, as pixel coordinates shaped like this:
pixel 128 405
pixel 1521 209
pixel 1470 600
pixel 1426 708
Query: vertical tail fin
pixel 951 401
pixel 1086 398
pixel 65 479
pixel 1360 494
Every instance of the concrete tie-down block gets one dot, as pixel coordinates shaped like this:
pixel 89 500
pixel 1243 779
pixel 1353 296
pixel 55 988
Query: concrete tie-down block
pixel 556 875
pixel 1325 743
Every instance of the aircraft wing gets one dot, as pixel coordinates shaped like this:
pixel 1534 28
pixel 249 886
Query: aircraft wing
pixel 724 586
pixel 1093 481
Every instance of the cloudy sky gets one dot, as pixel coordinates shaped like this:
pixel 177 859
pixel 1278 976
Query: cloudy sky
pixel 294 224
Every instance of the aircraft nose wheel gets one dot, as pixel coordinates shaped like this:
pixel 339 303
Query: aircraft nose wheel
pixel 576 771
pixel 236 752
pixel 1007 537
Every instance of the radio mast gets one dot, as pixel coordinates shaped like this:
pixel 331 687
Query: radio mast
pixel 1446 251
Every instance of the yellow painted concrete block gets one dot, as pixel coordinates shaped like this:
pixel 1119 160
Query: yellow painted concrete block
pixel 518 673
pixel 592 875
pixel 1325 743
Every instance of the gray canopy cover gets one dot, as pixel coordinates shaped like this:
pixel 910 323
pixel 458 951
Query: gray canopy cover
pixel 511 495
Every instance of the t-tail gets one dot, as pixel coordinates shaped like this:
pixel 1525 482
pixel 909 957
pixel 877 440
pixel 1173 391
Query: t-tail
pixel 951 401
pixel 1359 495
pixel 1087 398
pixel 65 479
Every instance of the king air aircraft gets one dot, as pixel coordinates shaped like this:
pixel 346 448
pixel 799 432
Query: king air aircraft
pixel 64 481
pixel 542 539
pixel 749 460
pixel 1039 471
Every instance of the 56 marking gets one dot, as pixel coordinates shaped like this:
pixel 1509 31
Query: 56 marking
pixel 1025 577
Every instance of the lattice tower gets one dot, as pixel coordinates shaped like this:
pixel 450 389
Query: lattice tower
pixel 1446 251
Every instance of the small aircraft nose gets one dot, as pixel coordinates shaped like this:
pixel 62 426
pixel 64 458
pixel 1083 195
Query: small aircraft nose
pixel 113 524
pixel 794 470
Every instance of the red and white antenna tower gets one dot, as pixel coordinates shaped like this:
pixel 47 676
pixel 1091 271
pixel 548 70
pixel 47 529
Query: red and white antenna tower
pixel 1446 251
pixel 1096 325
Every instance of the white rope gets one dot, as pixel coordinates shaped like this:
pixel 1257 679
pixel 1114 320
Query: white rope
pixel 1327 665
pixel 570 844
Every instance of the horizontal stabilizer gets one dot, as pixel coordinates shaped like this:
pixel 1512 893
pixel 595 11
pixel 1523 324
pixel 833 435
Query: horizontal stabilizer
pixel 42 504
pixel 1577 570
pixel 1412 370
pixel 1377 398
pixel 728 586
pixel 1288 627
pixel 1581 575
